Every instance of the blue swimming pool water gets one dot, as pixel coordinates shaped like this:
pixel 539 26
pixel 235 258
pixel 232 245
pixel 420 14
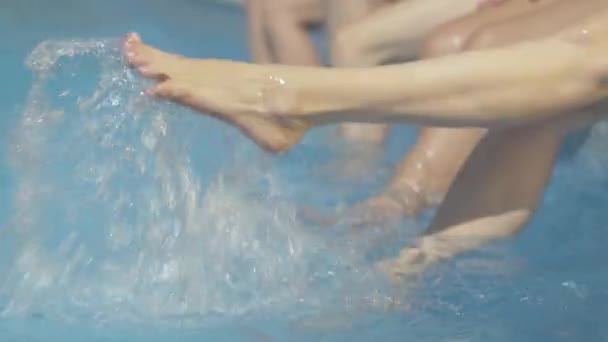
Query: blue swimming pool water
pixel 311 283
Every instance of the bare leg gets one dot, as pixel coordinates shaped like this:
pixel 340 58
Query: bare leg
pixel 442 150
pixel 494 195
pixel 343 14
pixel 516 162
pixel 276 104
pixel 287 26
pixel 256 30
pixel 422 178
pixel 427 172
pixel 393 32
pixel 287 23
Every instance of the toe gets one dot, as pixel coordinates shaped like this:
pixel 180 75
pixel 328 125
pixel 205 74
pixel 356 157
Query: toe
pixel 138 54
pixel 136 59
pixel 142 55
pixel 170 90
pixel 149 71
pixel 130 45
pixel 133 37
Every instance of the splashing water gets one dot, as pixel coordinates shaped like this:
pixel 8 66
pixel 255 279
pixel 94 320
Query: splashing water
pixel 126 208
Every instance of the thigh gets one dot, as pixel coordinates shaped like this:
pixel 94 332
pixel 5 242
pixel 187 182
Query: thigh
pixel 399 28
pixel 309 12
pixel 449 148
pixel 539 23
pixel 452 36
pixel 345 12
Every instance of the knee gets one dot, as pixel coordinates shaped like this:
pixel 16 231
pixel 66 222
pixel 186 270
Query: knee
pixel 349 48
pixel 444 40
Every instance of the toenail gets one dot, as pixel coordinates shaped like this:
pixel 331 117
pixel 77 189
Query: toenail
pixel 130 54
pixel 132 38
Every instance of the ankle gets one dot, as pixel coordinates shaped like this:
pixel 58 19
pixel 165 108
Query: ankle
pixel 408 196
pixel 431 248
pixel 276 95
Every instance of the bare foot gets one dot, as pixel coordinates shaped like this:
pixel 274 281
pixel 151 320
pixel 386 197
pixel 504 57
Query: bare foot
pixel 381 209
pixel 378 210
pixel 415 259
pixel 389 206
pixel 411 261
pixel 229 91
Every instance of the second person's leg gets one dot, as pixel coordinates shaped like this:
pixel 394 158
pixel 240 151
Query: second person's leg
pixel 287 24
pixel 426 173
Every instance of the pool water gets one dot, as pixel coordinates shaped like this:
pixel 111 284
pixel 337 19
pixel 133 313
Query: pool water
pixel 127 219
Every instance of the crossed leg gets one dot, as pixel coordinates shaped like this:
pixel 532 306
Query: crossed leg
pixel 393 32
pixel 502 182
pixel 279 30
pixel 279 33
pixel 578 68
pixel 341 15
pixel 426 173
pixel 367 33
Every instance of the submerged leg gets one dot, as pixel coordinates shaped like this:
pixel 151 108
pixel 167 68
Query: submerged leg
pixel 423 177
pixel 493 197
pixel 500 186
pixel 496 192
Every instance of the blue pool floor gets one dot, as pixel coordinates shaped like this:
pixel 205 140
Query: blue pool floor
pixel 556 288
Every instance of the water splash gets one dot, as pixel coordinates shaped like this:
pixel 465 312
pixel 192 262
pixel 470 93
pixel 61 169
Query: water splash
pixel 128 209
